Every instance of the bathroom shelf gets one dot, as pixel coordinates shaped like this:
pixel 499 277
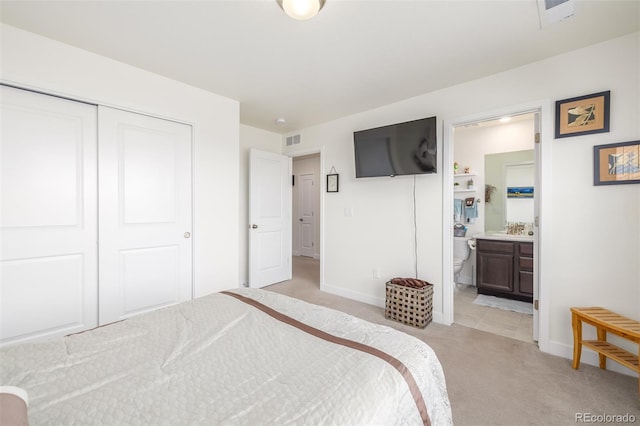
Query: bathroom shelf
pixel 461 188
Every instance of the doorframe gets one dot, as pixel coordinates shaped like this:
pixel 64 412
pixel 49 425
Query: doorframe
pixel 543 265
pixel 309 151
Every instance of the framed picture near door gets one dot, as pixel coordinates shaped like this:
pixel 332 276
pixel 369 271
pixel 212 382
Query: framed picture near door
pixel 332 183
pixel 583 115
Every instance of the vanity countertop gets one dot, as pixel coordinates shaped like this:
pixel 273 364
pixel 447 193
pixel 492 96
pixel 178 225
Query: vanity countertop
pixel 504 236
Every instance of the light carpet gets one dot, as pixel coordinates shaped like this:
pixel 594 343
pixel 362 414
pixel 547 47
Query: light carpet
pixel 493 380
pixel 506 304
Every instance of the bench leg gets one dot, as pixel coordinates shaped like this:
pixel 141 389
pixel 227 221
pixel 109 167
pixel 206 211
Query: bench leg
pixel 576 324
pixel 602 336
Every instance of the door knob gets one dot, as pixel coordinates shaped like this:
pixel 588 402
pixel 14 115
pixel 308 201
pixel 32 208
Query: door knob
pixel 254 226
pixel 187 234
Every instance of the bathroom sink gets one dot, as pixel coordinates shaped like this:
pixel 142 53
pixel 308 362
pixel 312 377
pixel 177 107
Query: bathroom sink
pixel 517 237
pixel 505 236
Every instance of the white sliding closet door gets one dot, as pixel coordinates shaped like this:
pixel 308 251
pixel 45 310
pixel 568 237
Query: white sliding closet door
pixel 48 220
pixel 145 213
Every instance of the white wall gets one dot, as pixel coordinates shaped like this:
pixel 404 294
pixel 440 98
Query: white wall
pixel 590 257
pixel 35 62
pixel 250 137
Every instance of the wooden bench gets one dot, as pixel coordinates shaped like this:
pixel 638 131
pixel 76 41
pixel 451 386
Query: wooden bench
pixel 605 322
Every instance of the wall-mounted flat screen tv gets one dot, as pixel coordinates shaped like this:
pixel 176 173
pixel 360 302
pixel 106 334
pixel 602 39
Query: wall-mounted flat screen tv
pixel 399 149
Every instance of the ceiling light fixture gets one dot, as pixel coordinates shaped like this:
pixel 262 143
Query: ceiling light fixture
pixel 301 9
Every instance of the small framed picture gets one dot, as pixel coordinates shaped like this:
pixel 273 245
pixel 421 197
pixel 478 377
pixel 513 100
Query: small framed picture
pixel 332 183
pixel 520 192
pixel 616 163
pixel 583 115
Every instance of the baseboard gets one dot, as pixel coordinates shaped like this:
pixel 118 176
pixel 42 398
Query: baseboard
pixel 353 295
pixel 315 256
pixel 437 317
pixel 587 357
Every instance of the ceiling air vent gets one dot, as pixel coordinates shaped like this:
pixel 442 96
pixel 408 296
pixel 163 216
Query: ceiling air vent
pixel 552 11
pixel 293 140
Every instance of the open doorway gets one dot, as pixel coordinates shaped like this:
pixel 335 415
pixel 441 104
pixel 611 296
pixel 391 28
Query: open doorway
pixel 486 152
pixel 306 219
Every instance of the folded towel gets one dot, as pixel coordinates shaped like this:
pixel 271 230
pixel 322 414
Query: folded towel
pixel 471 212
pixel 470 209
pixel 409 282
pixel 457 209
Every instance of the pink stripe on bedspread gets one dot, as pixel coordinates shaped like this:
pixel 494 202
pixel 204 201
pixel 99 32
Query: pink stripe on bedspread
pixel 397 364
pixel 13 410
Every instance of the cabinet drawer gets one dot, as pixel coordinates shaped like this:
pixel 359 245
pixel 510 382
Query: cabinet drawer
pixel 495 246
pixel 525 263
pixel 525 284
pixel 526 249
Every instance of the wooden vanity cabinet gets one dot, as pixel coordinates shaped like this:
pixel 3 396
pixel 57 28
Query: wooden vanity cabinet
pixel 525 269
pixel 494 266
pixel 505 269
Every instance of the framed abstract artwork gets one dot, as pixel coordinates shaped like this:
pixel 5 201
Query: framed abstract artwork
pixel 616 163
pixel 583 115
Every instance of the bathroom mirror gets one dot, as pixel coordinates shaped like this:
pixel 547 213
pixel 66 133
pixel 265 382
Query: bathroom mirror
pixel 508 170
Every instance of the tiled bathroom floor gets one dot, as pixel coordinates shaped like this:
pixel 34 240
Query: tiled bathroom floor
pixel 493 320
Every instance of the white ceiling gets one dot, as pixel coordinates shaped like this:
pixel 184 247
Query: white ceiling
pixel 353 56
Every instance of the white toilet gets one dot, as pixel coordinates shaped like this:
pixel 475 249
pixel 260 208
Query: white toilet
pixel 461 252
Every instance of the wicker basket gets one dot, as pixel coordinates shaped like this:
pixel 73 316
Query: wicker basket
pixel 412 306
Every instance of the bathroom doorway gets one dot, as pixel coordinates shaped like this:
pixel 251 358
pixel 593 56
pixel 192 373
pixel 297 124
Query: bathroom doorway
pixel 483 153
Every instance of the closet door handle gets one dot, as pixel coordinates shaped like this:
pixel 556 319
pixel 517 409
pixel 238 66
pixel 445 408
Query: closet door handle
pixel 187 234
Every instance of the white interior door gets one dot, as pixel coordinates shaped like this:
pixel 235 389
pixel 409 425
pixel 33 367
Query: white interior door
pixel 306 211
pixel 145 213
pixel 48 217
pixel 269 218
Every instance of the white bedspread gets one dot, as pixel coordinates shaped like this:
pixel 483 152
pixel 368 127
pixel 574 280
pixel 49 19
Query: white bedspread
pixel 217 360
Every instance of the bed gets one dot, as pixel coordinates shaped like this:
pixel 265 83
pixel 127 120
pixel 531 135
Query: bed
pixel 242 357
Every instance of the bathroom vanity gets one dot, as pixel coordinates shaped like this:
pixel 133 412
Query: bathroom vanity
pixel 505 266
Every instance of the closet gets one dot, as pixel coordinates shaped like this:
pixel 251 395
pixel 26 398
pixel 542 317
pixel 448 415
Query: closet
pixel 95 215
